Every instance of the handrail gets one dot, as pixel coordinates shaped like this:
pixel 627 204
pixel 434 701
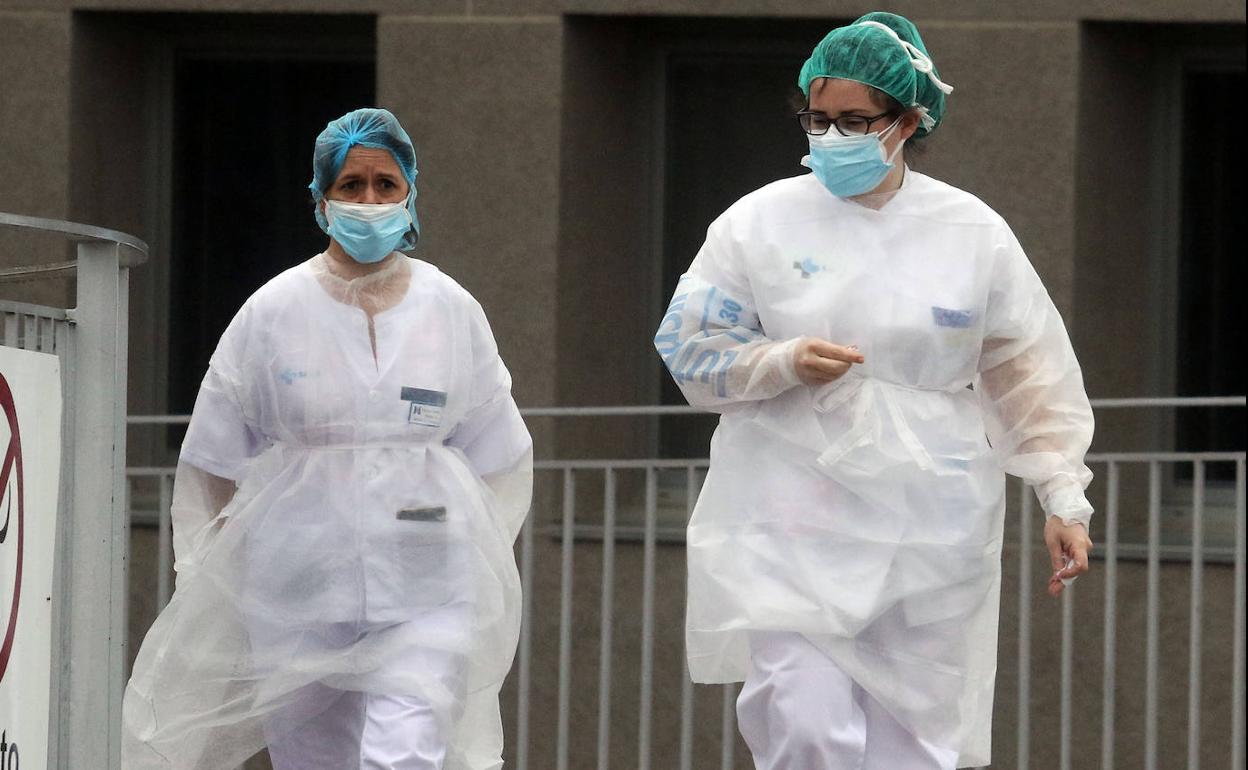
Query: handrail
pixel 79 232
pixel 649 411
pixel 25 308
pixel 89 619
pixel 1176 401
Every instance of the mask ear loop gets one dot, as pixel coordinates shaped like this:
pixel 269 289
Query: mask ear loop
pixel 410 208
pixel 880 138
pixel 919 60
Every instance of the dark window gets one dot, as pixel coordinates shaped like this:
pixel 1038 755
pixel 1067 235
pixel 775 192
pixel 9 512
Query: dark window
pixel 1211 265
pixel 244 127
pixel 730 130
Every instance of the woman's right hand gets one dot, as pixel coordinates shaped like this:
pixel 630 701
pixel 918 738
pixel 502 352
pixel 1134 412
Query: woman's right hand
pixel 818 361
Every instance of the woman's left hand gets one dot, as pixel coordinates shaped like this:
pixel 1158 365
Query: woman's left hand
pixel 1068 544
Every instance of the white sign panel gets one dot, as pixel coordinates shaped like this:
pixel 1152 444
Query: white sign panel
pixel 30 443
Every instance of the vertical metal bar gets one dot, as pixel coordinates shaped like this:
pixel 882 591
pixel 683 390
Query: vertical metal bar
pixel 565 619
pixel 47 342
pixel 1024 629
pixel 93 547
pixel 1110 649
pixel 120 564
pixel 647 622
pixel 686 685
pixel 1194 624
pixel 1237 656
pixel 58 712
pixel 1152 653
pixel 61 333
pixel 728 727
pixel 686 718
pixel 30 332
pixel 1068 604
pixel 164 546
pixel 605 624
pixel 525 673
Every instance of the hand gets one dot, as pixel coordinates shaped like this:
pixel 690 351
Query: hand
pixel 818 361
pixel 1067 544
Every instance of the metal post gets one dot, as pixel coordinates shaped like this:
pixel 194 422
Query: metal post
pixel 605 622
pixel 1068 609
pixel 165 541
pixel 1193 666
pixel 647 622
pixel 1024 630
pixel 686 716
pixel 1153 646
pixel 1110 652
pixel 686 685
pixel 728 727
pixel 93 537
pixel 67 346
pixel 525 673
pixel 1237 654
pixel 565 619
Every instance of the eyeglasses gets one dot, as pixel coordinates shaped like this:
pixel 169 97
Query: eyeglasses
pixel 818 123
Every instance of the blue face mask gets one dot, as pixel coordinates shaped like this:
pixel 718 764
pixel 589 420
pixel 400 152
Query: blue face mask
pixel 850 165
pixel 368 232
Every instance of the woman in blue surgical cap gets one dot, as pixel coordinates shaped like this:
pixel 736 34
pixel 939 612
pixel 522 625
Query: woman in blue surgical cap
pixel 353 478
pixel 880 350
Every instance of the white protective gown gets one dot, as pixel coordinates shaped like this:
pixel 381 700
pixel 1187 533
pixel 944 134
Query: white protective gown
pixel 368 548
pixel 867 513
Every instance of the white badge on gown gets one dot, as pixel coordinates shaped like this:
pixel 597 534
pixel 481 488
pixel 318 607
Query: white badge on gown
pixel 424 406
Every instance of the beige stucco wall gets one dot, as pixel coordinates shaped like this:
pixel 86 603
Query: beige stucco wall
pixel 1009 137
pixel 919 10
pixel 489 186
pixel 34 142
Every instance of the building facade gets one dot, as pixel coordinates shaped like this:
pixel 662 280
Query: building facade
pixel 571 154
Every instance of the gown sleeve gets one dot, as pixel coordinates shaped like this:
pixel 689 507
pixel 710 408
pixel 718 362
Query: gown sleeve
pixel 492 434
pixel 221 437
pixel 711 339
pixel 1030 387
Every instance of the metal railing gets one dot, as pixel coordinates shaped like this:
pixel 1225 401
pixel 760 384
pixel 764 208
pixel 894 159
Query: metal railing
pixel 560 526
pixel 88 610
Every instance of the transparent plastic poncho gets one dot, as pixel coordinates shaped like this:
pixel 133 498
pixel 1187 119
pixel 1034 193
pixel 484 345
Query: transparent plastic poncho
pixel 351 483
pixel 867 513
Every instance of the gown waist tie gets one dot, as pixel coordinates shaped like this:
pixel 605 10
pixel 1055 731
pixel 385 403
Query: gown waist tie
pixel 871 405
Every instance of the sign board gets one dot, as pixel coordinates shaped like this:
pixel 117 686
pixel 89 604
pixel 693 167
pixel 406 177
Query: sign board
pixel 30 443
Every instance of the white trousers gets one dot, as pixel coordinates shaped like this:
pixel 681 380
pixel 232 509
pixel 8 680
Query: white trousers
pixel 325 728
pixel 356 730
pixel 799 711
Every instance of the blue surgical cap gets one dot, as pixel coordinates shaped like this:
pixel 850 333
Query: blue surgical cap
pixel 369 127
pixel 882 50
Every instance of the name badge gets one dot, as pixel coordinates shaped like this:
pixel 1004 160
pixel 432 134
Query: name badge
pixel 424 406
pixel 952 319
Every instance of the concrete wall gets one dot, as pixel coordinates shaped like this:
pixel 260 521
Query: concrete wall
pixel 34 143
pixel 484 98
pixel 919 10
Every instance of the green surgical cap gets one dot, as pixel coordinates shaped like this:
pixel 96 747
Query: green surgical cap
pixel 883 50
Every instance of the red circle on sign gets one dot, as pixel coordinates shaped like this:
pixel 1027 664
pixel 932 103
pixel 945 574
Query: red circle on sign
pixel 12 465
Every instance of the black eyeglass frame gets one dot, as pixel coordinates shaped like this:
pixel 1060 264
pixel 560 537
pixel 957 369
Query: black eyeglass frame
pixel 803 115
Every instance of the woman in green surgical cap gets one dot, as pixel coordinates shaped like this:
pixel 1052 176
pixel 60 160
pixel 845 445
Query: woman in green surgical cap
pixel 881 352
